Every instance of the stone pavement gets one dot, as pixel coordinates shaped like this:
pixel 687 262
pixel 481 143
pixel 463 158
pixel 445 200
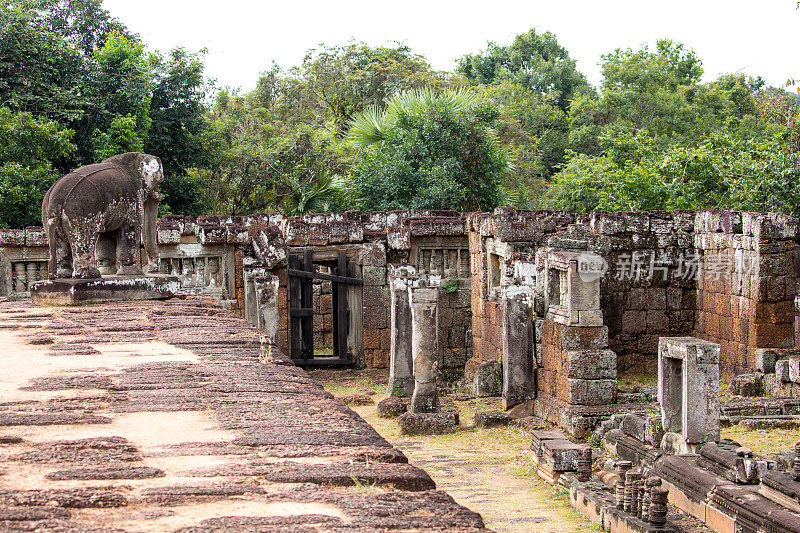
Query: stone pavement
pixel 179 416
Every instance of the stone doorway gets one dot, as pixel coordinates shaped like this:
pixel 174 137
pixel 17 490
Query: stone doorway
pixel 308 268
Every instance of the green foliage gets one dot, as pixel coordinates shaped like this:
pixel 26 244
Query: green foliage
pixel 84 23
pixel 40 73
pixel 378 128
pixel 430 152
pixel 120 137
pixel 26 172
pixel 534 61
pixel 347 79
pixel 320 195
pixel 180 133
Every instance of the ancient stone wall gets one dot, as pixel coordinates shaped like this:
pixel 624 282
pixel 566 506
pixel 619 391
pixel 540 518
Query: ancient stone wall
pixel 747 286
pixel 648 292
pixel 663 276
pixel 670 274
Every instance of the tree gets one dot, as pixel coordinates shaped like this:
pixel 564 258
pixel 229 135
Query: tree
pixel 84 23
pixel 26 171
pixel 180 133
pixel 535 61
pixel 121 81
pixel 429 151
pixel 40 73
pixel 347 79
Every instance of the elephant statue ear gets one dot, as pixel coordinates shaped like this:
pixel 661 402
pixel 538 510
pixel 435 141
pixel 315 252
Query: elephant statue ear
pixel 151 171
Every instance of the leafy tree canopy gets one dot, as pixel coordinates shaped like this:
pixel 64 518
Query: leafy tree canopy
pixel 428 150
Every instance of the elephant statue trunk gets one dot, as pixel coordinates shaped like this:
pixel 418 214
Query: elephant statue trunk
pixel 150 232
pixel 118 197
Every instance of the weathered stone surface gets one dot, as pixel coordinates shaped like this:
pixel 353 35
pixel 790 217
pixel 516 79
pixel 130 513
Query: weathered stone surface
pixel 748 384
pixel 391 407
pixel 560 454
pixel 423 300
pixel 488 380
pixel 107 289
pixel 518 364
pixel 688 387
pixel 401 364
pixel 490 419
pixel 540 435
pixel 283 438
pixel 635 426
pixel 592 364
pixel 592 391
pixel 106 472
pixel 445 421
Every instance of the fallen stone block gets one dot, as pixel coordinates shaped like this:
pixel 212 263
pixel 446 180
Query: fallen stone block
pixel 635 426
pixel 391 407
pixel 490 419
pixel 560 454
pixel 748 384
pixel 445 421
pixel 540 435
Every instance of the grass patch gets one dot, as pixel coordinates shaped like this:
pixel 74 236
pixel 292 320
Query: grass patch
pixel 762 441
pixel 637 379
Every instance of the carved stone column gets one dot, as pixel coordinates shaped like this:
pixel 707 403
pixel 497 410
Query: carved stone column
pixel 519 383
pixel 424 296
pixel 401 366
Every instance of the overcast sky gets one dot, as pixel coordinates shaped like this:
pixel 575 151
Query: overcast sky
pixel 243 38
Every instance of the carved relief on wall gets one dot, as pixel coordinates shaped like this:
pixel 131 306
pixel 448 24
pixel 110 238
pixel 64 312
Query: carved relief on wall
pixel 448 256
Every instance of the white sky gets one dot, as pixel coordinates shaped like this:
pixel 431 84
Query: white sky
pixel 757 37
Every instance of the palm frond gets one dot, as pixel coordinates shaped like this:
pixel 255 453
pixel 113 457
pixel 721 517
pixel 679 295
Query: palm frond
pixel 368 127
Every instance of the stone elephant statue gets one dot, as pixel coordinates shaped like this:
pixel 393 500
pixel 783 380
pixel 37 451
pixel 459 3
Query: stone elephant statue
pixel 117 199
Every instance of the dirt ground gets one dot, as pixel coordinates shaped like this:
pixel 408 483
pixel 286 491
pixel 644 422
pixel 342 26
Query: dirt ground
pixel 487 470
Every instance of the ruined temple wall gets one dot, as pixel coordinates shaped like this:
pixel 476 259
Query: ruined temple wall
pixel 646 293
pixel 498 243
pixel 747 286
pixel 657 284
pixel 375 242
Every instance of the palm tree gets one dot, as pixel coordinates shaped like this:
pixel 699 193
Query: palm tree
pixel 317 196
pixel 373 124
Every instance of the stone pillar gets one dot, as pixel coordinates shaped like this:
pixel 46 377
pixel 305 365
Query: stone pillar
pixel 401 367
pixel 19 277
pixel 519 382
pixel 424 296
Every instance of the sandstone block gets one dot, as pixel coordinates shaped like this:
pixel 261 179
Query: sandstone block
pixel 748 384
pixel 591 364
pixel 391 407
pixel 445 421
pixel 490 419
pixel 592 391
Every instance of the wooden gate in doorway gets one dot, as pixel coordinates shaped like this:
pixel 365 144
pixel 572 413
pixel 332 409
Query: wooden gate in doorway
pixel 302 272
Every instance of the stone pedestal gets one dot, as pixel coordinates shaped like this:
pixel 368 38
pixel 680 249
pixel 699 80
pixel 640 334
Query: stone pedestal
pixel 71 291
pixel 423 296
pixel 401 367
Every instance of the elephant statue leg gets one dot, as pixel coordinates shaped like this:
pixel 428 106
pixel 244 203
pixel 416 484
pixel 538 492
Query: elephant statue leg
pixel 128 250
pixel 84 264
pixel 60 265
pixel 106 253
